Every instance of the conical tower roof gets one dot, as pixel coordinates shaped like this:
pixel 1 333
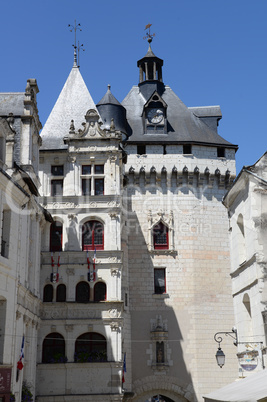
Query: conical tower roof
pixel 72 104
pixel 110 109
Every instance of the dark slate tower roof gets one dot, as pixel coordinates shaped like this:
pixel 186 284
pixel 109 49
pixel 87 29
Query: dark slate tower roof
pixel 110 108
pixel 182 124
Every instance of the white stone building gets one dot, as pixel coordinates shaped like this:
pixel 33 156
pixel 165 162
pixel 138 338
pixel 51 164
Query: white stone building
pixel 21 222
pixel 137 186
pixel 246 205
pixel 134 266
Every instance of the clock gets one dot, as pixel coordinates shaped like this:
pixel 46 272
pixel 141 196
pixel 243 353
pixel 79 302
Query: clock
pixel 155 115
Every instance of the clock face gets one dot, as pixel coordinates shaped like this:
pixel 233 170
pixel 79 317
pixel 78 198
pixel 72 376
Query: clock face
pixel 155 116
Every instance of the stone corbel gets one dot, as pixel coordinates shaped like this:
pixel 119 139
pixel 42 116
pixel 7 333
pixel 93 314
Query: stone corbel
pixel 18 315
pixel 113 215
pixel 114 271
pixel 115 327
pixel 26 320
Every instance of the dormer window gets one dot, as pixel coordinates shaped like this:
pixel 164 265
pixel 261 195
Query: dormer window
pixel 155 116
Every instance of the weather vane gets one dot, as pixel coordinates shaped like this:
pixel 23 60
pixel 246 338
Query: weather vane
pixel 149 36
pixel 74 28
pixel 79 47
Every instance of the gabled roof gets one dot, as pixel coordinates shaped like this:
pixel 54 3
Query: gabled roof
pixel 72 104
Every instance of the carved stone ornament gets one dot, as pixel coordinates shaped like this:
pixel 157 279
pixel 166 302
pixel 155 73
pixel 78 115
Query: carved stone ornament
pixel 115 327
pixel 91 127
pixel 113 313
pixel 18 315
pixel 113 215
pixel 71 158
pixel 112 158
pixel 114 271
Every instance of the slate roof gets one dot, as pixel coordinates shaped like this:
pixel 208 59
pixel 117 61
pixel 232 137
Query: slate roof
pixel 184 124
pixel 11 103
pixel 72 104
pixel 108 98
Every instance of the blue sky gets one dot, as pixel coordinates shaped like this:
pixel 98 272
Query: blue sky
pixel 214 53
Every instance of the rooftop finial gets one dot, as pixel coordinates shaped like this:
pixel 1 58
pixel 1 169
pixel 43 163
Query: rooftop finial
pixel 149 36
pixel 74 28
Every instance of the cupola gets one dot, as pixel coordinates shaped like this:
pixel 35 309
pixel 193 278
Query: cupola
pixel 150 73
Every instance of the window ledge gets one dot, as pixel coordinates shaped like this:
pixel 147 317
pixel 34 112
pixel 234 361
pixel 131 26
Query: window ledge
pixel 160 295
pixel 163 252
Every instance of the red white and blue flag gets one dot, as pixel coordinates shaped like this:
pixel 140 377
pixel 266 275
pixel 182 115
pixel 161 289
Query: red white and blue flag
pixel 124 368
pixel 94 264
pixel 20 364
pixel 91 271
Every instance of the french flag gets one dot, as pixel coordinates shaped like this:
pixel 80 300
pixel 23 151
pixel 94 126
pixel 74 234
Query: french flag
pixel 124 368
pixel 20 364
pixel 95 255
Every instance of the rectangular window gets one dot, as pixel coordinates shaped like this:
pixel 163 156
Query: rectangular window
pixel 141 149
pixel 86 186
pixel 86 169
pixel 57 170
pixel 6 222
pixel 159 281
pixel 99 169
pixel 220 152
pixel 56 187
pixel 92 179
pixel 187 149
pixel 99 186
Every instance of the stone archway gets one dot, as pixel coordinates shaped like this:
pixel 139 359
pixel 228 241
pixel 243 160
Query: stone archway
pixel 159 398
pixel 169 389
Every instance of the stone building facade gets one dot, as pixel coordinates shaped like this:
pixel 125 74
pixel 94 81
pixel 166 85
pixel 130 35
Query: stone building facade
pixel 134 267
pixel 150 173
pixel 22 219
pixel 246 206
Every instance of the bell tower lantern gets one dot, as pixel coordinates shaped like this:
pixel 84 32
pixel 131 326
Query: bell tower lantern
pixel 150 71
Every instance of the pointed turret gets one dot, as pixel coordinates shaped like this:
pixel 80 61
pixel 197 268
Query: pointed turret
pixel 72 104
pixel 110 108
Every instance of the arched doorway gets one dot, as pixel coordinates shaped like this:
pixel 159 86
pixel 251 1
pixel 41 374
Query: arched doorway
pixel 159 398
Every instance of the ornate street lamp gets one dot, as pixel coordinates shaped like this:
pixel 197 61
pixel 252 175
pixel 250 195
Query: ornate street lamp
pixel 220 356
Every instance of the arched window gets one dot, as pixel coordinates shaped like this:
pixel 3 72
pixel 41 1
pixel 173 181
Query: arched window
pixel 160 236
pixel 53 348
pixel 90 347
pixel 61 293
pixel 100 291
pixel 93 236
pixel 82 292
pixel 48 293
pixel 56 236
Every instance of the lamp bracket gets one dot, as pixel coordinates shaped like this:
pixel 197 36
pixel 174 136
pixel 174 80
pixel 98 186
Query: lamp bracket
pixel 232 334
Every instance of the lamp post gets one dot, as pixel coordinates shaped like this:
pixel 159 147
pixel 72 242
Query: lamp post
pixel 220 356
